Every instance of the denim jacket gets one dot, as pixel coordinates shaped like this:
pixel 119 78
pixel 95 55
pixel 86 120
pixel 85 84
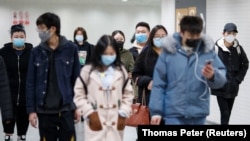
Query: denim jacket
pixel 67 69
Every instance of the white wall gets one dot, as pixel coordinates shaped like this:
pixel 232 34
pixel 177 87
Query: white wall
pixel 219 12
pixel 96 19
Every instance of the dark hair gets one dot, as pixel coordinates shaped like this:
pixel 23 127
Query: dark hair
pixel 118 31
pixel 84 33
pixel 49 19
pixel 17 28
pixel 132 39
pixel 192 24
pixel 144 24
pixel 99 49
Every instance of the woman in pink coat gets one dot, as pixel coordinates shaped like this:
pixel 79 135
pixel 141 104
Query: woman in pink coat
pixel 104 94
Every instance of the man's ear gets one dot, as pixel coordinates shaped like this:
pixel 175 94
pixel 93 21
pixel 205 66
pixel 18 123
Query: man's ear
pixel 53 29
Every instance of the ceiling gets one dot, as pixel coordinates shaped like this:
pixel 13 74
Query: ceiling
pixel 111 2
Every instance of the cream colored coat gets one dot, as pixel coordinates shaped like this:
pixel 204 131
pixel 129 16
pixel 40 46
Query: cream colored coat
pixel 107 108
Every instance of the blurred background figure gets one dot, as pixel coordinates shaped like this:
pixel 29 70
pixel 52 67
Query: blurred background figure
pixel 236 61
pixel 142 30
pixel 16 57
pixel 125 55
pixel 85 48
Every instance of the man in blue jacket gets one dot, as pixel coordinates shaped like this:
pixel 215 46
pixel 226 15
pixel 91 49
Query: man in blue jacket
pixel 53 69
pixel 184 73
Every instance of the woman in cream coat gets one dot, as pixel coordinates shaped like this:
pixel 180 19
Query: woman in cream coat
pixel 103 94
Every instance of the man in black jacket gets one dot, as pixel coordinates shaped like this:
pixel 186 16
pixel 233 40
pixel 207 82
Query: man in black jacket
pixel 5 98
pixel 236 61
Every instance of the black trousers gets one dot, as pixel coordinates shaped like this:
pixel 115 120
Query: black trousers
pixel 226 106
pixel 57 127
pixel 21 120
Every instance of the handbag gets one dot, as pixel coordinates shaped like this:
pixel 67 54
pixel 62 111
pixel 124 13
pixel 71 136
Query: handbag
pixel 139 114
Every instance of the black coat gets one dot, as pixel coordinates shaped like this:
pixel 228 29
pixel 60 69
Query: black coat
pixel 236 62
pixel 5 97
pixel 17 68
pixel 143 71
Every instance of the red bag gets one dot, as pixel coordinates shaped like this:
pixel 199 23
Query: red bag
pixel 139 114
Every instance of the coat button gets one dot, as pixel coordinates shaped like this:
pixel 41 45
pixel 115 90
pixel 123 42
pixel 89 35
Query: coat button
pixel 67 62
pixel 37 64
pixel 43 92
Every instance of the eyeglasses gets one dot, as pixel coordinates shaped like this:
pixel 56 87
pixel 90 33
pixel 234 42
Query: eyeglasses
pixel 160 36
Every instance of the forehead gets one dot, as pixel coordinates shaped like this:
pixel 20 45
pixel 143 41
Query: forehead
pixel 141 28
pixel 118 35
pixel 18 33
pixel 79 32
pixel 42 26
pixel 160 31
pixel 109 50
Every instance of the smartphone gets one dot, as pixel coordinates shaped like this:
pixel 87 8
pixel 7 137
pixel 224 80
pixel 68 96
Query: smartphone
pixel 209 61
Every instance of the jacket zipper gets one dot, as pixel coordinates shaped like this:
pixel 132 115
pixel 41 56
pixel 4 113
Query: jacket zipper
pixel 19 78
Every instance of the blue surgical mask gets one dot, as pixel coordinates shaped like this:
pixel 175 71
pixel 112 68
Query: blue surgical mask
pixel 79 38
pixel 141 37
pixel 44 35
pixel 108 59
pixel 18 42
pixel 157 42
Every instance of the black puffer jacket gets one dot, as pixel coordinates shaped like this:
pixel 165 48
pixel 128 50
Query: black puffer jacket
pixel 17 71
pixel 236 62
pixel 5 97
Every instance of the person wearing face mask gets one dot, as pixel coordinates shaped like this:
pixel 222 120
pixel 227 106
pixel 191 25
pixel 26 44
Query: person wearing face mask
pixel 126 56
pixel 236 61
pixel 103 94
pixel 145 63
pixel 184 72
pixel 142 30
pixel 53 68
pixel 84 47
pixel 16 57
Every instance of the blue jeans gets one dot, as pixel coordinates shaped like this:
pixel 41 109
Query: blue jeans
pixel 184 121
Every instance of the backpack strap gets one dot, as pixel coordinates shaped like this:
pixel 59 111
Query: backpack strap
pixel 84 84
pixel 124 85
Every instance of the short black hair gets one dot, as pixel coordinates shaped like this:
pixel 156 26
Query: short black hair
pixel 17 28
pixel 192 24
pixel 50 19
pixel 144 24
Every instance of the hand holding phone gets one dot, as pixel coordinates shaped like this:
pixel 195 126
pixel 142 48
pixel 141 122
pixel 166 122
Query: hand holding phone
pixel 209 61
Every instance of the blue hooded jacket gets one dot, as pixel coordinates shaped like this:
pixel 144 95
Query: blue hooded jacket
pixel 179 89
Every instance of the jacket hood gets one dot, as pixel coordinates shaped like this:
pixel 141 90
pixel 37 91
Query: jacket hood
pixel 62 42
pixel 172 43
pixel 220 43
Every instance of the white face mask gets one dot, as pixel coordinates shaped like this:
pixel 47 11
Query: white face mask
pixel 230 38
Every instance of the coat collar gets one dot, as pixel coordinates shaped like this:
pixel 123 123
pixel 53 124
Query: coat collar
pixel 172 43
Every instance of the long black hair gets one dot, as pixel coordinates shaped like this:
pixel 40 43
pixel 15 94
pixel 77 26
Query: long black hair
pixel 99 49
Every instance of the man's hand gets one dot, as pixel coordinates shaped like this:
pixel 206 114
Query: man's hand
pixel 155 120
pixel 33 119
pixel 208 71
pixel 77 116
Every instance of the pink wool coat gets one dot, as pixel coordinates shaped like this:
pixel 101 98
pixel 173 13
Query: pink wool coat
pixel 107 107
